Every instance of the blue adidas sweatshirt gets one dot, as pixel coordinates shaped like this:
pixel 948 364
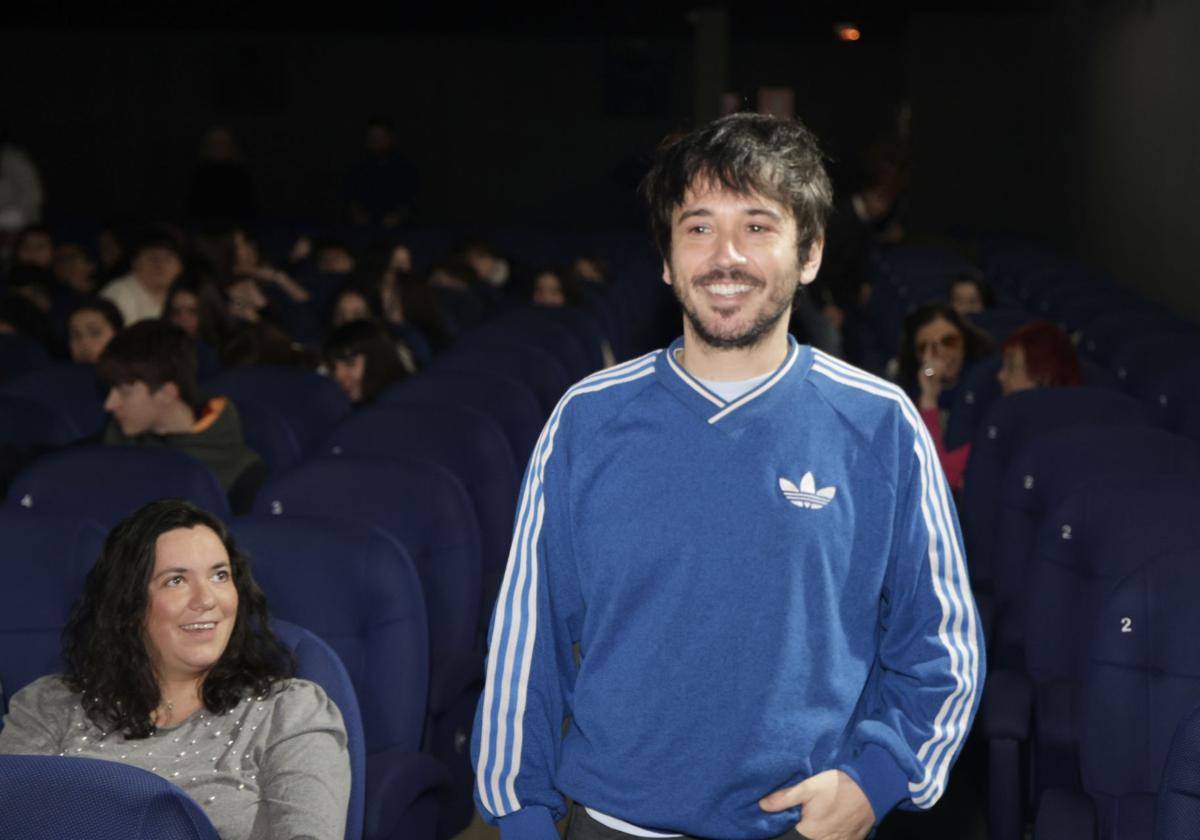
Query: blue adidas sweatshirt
pixel 760 590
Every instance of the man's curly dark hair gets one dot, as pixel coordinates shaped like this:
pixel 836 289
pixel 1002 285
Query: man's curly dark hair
pixel 104 639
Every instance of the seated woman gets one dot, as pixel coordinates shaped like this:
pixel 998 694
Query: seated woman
pixel 1037 355
pixel 90 326
pixel 936 348
pixel 171 666
pixel 969 294
pixel 363 360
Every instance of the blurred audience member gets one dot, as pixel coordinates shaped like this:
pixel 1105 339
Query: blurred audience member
pixel 90 326
pixel 363 360
pixel 382 186
pixel 411 313
pixel 196 307
pixel 150 370
pixel 21 195
pixel 74 268
pixel 937 347
pixel 248 261
pixel 157 263
pixel 334 257
pixel 969 294
pixel 553 287
pixel 245 299
pixel 34 245
pixel 1037 355
pixel 222 188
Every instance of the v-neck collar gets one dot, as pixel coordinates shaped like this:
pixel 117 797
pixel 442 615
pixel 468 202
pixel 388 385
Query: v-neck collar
pixel 711 406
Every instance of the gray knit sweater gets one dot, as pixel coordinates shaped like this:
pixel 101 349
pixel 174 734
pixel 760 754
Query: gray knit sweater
pixel 274 767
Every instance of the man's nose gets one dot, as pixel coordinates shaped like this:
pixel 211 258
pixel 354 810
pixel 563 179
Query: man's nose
pixel 728 253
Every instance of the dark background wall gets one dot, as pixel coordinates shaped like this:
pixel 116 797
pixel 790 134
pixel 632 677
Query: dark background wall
pixel 1074 123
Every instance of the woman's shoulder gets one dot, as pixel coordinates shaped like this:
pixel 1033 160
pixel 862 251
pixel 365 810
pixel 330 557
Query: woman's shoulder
pixel 303 703
pixel 48 692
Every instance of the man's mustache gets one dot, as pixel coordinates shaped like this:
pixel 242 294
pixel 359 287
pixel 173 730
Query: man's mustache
pixel 719 274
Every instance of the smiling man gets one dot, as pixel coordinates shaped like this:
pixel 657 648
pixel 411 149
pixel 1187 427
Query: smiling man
pixel 749 541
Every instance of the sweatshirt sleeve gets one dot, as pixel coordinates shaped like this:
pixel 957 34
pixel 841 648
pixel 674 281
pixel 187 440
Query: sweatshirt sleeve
pixel 530 665
pixel 924 690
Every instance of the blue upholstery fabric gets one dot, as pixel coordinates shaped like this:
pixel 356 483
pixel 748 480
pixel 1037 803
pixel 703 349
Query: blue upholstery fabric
pixel 269 434
pixel 107 483
pixel 1011 422
pixel 19 355
pixel 72 389
pixel 972 402
pixel 1178 812
pixel 355 588
pixel 44 561
pixel 1040 475
pixel 1139 362
pixel 52 798
pixel 316 661
pixel 25 423
pixel 311 404
pixel 469 444
pixel 537 368
pixel 509 402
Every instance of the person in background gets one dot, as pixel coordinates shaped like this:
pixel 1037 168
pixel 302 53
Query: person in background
pixel 937 345
pixel 553 287
pixel 154 400
pixel 1038 355
pixel 157 263
pixel 34 246
pixel 21 192
pixel 969 294
pixel 382 186
pixel 222 188
pixel 171 666
pixel 74 268
pixel 90 326
pixel 362 359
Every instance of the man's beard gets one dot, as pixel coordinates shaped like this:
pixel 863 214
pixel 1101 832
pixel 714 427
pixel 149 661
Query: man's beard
pixel 754 334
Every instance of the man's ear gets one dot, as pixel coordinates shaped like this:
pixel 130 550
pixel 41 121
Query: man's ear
pixel 666 275
pixel 808 271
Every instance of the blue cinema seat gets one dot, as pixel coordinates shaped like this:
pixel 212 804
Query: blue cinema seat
pixel 1178 811
pixel 427 511
pixel 25 424
pixel 70 388
pixel 358 591
pixel 19 355
pixel 509 402
pixel 537 368
pixel 56 798
pixel 1010 423
pixel 44 562
pixel 107 483
pixel 1143 678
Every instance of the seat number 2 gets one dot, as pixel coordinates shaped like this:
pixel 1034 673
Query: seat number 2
pixel 1126 625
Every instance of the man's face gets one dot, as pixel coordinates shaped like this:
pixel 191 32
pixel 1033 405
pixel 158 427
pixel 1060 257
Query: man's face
pixel 36 248
pixel 734 266
pixel 135 407
pixel 157 267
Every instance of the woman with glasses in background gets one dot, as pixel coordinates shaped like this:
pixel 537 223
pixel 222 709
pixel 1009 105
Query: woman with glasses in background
pixel 937 347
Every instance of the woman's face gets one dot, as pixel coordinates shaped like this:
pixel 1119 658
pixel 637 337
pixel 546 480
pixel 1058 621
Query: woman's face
pixel 192 603
pixel 246 300
pixel 348 373
pixel 1013 375
pixel 547 290
pixel 940 341
pixel 350 306
pixel 88 333
pixel 965 299
pixel 184 312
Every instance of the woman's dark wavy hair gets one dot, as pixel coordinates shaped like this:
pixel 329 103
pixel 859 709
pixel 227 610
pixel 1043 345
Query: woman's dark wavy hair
pixel 747 154
pixel 976 344
pixel 382 365
pixel 104 640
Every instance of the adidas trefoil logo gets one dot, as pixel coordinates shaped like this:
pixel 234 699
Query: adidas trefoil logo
pixel 807 495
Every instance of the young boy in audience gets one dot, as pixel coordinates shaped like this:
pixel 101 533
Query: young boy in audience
pixel 150 369
pixel 142 293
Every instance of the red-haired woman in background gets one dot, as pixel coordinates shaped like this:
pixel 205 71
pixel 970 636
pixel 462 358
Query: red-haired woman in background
pixel 1037 355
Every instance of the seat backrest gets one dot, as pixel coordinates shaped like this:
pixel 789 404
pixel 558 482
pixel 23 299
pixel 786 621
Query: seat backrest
pixel 527 363
pixel 418 503
pixel 52 796
pixel 317 662
pixel 44 563
pixel 1009 424
pixel 979 390
pixel 107 483
pixel 1049 466
pixel 463 440
pixel 269 434
pixel 509 402
pixel 1096 535
pixel 310 403
pixel 19 355
pixel 1172 392
pixel 555 339
pixel 1178 810
pixel 358 591
pixel 25 423
pixel 72 389
pixel 1139 362
pixel 1144 677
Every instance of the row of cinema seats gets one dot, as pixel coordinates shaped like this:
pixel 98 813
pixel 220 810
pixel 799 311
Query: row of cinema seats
pixel 383 531
pixel 1079 517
